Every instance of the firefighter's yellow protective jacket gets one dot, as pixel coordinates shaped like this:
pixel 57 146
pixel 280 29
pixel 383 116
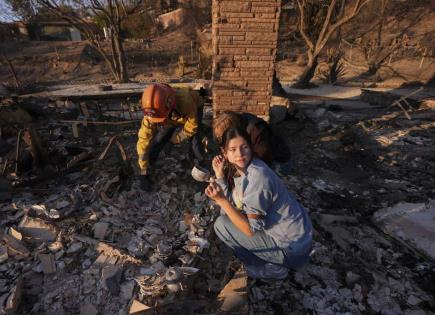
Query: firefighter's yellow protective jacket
pixel 185 114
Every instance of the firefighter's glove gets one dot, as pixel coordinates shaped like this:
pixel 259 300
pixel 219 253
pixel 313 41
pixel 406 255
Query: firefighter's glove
pixel 145 182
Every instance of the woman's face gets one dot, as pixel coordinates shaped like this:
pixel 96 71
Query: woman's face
pixel 238 153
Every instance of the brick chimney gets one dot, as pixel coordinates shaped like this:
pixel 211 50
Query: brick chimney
pixel 245 35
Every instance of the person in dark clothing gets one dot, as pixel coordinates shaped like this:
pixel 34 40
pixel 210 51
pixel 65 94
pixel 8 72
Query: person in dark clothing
pixel 266 145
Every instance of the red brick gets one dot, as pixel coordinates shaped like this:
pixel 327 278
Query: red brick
pixel 229 27
pixel 254 72
pixel 236 108
pixel 231 33
pixel 234 20
pixel 232 51
pixel 257 26
pixel 229 70
pixel 238 58
pixel 257 93
pixel 237 93
pixel 222 92
pixel 225 39
pixel 245 101
pixel 252 64
pixel 259 51
pixel 240 15
pixel 223 100
pixel 260 36
pixel 235 38
pixel 265 85
pixel 242 43
pixel 235 6
pixel 231 75
pixel 257 20
pixel 261 58
pixel 257 78
pixel 263 10
pixel 269 45
pixel 265 16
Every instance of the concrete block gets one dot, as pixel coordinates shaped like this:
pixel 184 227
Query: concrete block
pixel 48 263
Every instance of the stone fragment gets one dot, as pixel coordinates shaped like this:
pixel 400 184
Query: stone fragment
pixel 59 254
pixel 111 277
pixel 101 260
pixel 55 247
pixel 3 254
pixel 137 247
pixel 88 309
pixel 15 247
pixel 48 263
pixel 357 293
pixel 127 289
pixel 100 229
pixel 137 307
pixel 157 267
pixel 234 294
pixel 38 230
pixel 351 277
pixel 173 278
pixel 14 297
pixel 182 227
pixel 74 247
pixel 14 233
pixel 413 300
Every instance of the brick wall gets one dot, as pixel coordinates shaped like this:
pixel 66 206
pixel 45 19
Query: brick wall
pixel 245 36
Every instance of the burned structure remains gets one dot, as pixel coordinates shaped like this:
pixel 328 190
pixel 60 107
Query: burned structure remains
pixel 244 42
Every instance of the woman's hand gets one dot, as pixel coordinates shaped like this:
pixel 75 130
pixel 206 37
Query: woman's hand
pixel 218 165
pixel 215 192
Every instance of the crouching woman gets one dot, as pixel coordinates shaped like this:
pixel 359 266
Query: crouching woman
pixel 261 221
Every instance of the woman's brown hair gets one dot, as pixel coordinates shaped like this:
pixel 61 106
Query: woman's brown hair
pixel 229 134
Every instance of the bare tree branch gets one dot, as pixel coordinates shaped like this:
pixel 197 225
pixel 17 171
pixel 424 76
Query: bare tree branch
pixel 302 6
pixel 325 24
pixel 113 13
pixel 327 20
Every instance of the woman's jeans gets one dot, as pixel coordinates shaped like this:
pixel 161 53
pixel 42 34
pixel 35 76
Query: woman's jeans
pixel 257 249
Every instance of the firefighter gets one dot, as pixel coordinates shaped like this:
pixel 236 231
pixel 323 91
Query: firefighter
pixel 166 108
pixel 266 144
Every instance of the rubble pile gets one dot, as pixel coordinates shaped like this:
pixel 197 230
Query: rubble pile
pixel 350 166
pixel 86 239
pixel 79 237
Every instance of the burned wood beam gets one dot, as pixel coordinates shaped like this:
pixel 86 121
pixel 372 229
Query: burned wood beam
pixel 109 145
pixel 38 149
pixel 107 249
pixel 78 158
